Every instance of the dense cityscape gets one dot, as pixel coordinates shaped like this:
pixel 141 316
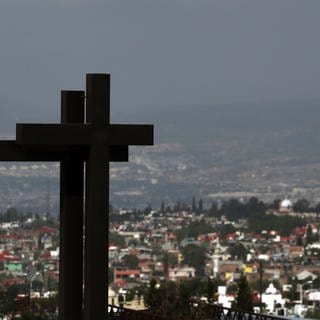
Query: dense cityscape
pixel 189 254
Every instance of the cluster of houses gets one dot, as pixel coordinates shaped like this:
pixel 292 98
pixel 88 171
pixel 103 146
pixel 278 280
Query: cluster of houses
pixel 286 266
pixel 29 258
pixel 283 271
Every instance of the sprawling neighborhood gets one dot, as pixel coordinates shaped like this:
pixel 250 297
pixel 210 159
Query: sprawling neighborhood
pixel 193 253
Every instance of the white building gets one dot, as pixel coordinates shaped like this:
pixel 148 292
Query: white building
pixel 184 272
pixel 224 299
pixel 271 298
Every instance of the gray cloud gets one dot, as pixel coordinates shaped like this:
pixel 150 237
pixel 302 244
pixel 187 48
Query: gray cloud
pixel 159 52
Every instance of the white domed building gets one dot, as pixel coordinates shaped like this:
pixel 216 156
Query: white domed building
pixel 285 206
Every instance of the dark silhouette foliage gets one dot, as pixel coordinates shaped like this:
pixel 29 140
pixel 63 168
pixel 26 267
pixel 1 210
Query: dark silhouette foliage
pixel 243 300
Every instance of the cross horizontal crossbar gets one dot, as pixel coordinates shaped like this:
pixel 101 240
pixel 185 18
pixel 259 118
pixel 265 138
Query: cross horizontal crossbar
pixel 10 151
pixel 83 134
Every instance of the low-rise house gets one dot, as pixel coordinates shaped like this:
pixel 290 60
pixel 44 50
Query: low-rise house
pixel 128 236
pixel 146 266
pixel 187 241
pixel 295 251
pixel 229 270
pixel 305 275
pixel 113 253
pixel 181 272
pixel 144 253
pixel 122 275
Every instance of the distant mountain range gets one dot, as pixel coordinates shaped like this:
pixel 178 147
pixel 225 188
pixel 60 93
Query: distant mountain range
pixel 215 152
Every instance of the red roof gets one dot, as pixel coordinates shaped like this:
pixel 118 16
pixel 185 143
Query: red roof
pixel 120 283
pixel 48 230
pixel 6 256
pixel 301 231
pixel 46 255
pixel 231 236
pixel 290 238
pixel 127 272
pixel 10 236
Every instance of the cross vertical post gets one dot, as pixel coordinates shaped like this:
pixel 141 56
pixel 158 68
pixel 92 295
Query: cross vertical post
pixel 97 198
pixel 71 216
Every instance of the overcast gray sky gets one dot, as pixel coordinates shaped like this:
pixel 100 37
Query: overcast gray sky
pixel 159 52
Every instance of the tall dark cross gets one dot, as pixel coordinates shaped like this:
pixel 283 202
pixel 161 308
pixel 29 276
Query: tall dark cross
pixel 95 142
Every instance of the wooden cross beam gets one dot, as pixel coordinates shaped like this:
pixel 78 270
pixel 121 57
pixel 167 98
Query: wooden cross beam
pixel 96 139
pixel 64 135
pixel 11 151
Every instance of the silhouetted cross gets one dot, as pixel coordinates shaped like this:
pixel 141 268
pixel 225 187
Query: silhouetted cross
pixel 96 142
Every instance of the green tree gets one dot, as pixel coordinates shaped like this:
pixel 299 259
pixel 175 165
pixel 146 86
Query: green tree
pixel 172 259
pixel 162 209
pixel 194 206
pixel 194 229
pixel 301 205
pixel 189 288
pixel 165 263
pixel 177 207
pixel 52 284
pixel 43 309
pixel 255 207
pixel 225 229
pixel 255 285
pixel 275 204
pixel 238 251
pixel 213 211
pixel 152 297
pixel 7 303
pixel 10 215
pixel 210 290
pixel 194 256
pixel 200 206
pixel 284 225
pixel 232 288
pixel 244 300
pixel 116 239
pixel 309 236
pixel 131 261
pixel 233 209
pixel 313 314
pixel 169 296
pixel 110 275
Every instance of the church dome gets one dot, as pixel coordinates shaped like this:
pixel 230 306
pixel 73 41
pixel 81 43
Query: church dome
pixel 286 204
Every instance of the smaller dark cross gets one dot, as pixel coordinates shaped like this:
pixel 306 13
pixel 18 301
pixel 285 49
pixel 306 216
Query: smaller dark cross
pixel 95 138
pixel 71 200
